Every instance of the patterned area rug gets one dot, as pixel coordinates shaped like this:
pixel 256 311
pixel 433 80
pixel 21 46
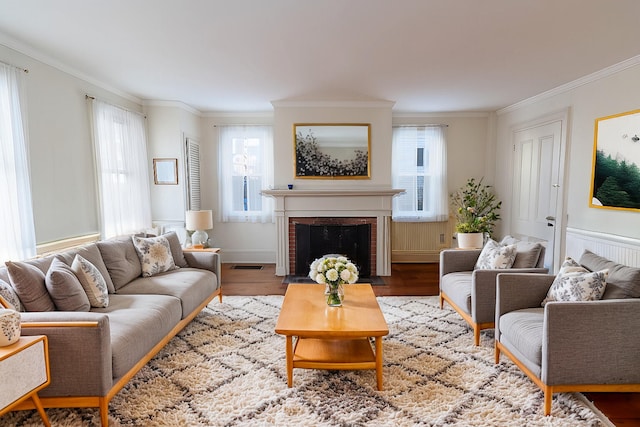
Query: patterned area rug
pixel 227 368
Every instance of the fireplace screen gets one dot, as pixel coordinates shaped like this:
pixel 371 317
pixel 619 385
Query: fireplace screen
pixel 314 241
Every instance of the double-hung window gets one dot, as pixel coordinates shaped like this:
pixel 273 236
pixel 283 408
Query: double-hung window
pixel 419 167
pixel 17 231
pixel 123 177
pixel 246 166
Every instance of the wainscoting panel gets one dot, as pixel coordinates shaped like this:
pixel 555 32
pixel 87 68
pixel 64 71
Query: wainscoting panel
pixel 623 250
pixel 419 241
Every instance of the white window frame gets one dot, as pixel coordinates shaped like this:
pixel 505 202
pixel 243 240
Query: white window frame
pixel 419 167
pixel 254 166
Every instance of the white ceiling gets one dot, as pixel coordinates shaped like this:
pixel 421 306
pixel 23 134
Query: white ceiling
pixel 239 55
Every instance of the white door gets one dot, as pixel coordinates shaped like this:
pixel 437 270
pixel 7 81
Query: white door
pixel 537 201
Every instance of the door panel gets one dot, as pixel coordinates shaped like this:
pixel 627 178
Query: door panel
pixel 535 185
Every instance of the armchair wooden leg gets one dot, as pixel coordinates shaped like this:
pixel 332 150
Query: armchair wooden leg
pixel 548 397
pixel 497 353
pixel 441 302
pixel 476 335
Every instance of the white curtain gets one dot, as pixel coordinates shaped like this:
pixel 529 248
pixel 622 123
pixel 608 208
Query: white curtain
pixel 120 145
pixel 419 165
pixel 17 231
pixel 246 168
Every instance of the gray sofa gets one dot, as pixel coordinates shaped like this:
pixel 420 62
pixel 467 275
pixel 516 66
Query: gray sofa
pixel 94 353
pixel 572 346
pixel 472 291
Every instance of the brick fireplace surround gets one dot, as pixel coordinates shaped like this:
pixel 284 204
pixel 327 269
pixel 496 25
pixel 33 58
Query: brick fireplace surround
pixel 372 206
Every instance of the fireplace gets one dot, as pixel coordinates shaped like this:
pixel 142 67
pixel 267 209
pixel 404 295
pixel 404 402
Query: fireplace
pixel 311 238
pixel 333 207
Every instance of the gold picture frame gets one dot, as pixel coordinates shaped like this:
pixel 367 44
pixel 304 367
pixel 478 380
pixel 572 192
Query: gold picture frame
pixel 615 175
pixel 165 171
pixel 332 150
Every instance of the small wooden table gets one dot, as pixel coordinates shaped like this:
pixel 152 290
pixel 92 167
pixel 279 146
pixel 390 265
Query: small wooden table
pixel 24 369
pixel 332 337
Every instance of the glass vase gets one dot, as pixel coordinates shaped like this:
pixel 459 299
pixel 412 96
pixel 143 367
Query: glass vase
pixel 334 294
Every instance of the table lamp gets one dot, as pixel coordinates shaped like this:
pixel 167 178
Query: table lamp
pixel 198 221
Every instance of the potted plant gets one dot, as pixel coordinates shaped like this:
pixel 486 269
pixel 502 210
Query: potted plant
pixel 476 211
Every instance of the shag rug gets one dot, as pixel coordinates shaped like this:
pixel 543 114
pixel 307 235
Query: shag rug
pixel 227 368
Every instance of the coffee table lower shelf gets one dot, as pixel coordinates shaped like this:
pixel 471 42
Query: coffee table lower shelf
pixel 336 354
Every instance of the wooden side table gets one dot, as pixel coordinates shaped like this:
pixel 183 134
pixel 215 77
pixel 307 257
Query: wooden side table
pixel 24 369
pixel 215 250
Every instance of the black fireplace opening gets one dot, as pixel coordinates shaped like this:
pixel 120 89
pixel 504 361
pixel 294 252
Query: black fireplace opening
pixel 315 240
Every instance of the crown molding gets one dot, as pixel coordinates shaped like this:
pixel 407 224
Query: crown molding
pixel 463 114
pixel 171 104
pixel 590 78
pixel 239 114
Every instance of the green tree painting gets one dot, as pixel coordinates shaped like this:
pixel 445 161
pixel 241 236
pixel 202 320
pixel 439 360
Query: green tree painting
pixel 616 183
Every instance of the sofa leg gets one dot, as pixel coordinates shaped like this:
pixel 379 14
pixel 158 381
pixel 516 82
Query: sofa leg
pixel 548 397
pixel 497 353
pixel 441 302
pixel 476 335
pixel 104 412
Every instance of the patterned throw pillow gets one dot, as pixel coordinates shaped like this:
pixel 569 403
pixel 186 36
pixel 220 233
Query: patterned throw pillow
pixel 575 283
pixel 10 296
pixel 155 255
pixel 92 281
pixel 495 256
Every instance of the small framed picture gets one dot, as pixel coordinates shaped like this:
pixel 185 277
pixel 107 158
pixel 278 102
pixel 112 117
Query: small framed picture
pixel 165 171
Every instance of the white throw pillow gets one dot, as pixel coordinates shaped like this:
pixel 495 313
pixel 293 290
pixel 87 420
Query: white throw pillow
pixel 92 282
pixel 155 255
pixel 575 283
pixel 495 256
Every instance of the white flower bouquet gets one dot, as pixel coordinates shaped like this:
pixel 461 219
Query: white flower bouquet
pixel 333 272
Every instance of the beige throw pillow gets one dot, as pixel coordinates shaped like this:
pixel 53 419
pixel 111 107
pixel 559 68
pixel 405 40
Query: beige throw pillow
pixel 575 283
pixel 495 256
pixel 155 255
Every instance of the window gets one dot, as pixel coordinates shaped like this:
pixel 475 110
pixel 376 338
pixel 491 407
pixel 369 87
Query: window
pixel 123 177
pixel 246 166
pixel 17 231
pixel 419 166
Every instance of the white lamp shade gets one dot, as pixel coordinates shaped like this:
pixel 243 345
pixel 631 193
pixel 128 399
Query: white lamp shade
pixel 199 220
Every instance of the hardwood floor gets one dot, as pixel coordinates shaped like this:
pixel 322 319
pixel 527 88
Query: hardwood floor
pixel 623 409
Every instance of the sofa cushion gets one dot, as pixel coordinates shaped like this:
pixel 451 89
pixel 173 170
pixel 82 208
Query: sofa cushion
pixel 176 249
pixel 92 281
pixel 523 329
pixel 457 286
pixel 65 288
pixel 9 294
pixel 575 283
pixel 121 259
pixel 28 282
pixel 92 254
pixel 622 281
pixel 495 256
pixel 155 255
pixel 191 285
pixel 527 253
pixel 137 323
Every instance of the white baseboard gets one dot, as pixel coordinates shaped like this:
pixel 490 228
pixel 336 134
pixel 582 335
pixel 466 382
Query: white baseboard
pixel 623 250
pixel 247 256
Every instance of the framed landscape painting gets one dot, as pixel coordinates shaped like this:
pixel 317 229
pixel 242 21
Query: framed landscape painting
pixel 615 182
pixel 332 151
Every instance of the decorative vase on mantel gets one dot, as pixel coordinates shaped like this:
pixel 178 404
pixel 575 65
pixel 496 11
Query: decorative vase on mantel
pixel 334 294
pixel 470 240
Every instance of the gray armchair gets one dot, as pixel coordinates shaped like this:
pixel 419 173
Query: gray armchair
pixel 571 346
pixel 472 293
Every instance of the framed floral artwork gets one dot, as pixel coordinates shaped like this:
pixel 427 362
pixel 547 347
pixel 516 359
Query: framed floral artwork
pixel 332 151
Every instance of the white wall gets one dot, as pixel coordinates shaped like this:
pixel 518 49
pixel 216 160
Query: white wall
pixel 63 182
pixel 608 92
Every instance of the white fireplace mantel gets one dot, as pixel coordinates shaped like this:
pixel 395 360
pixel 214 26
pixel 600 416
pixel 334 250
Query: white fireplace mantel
pixel 361 202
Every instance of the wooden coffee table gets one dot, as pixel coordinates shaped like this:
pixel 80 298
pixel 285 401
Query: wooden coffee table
pixel 332 337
